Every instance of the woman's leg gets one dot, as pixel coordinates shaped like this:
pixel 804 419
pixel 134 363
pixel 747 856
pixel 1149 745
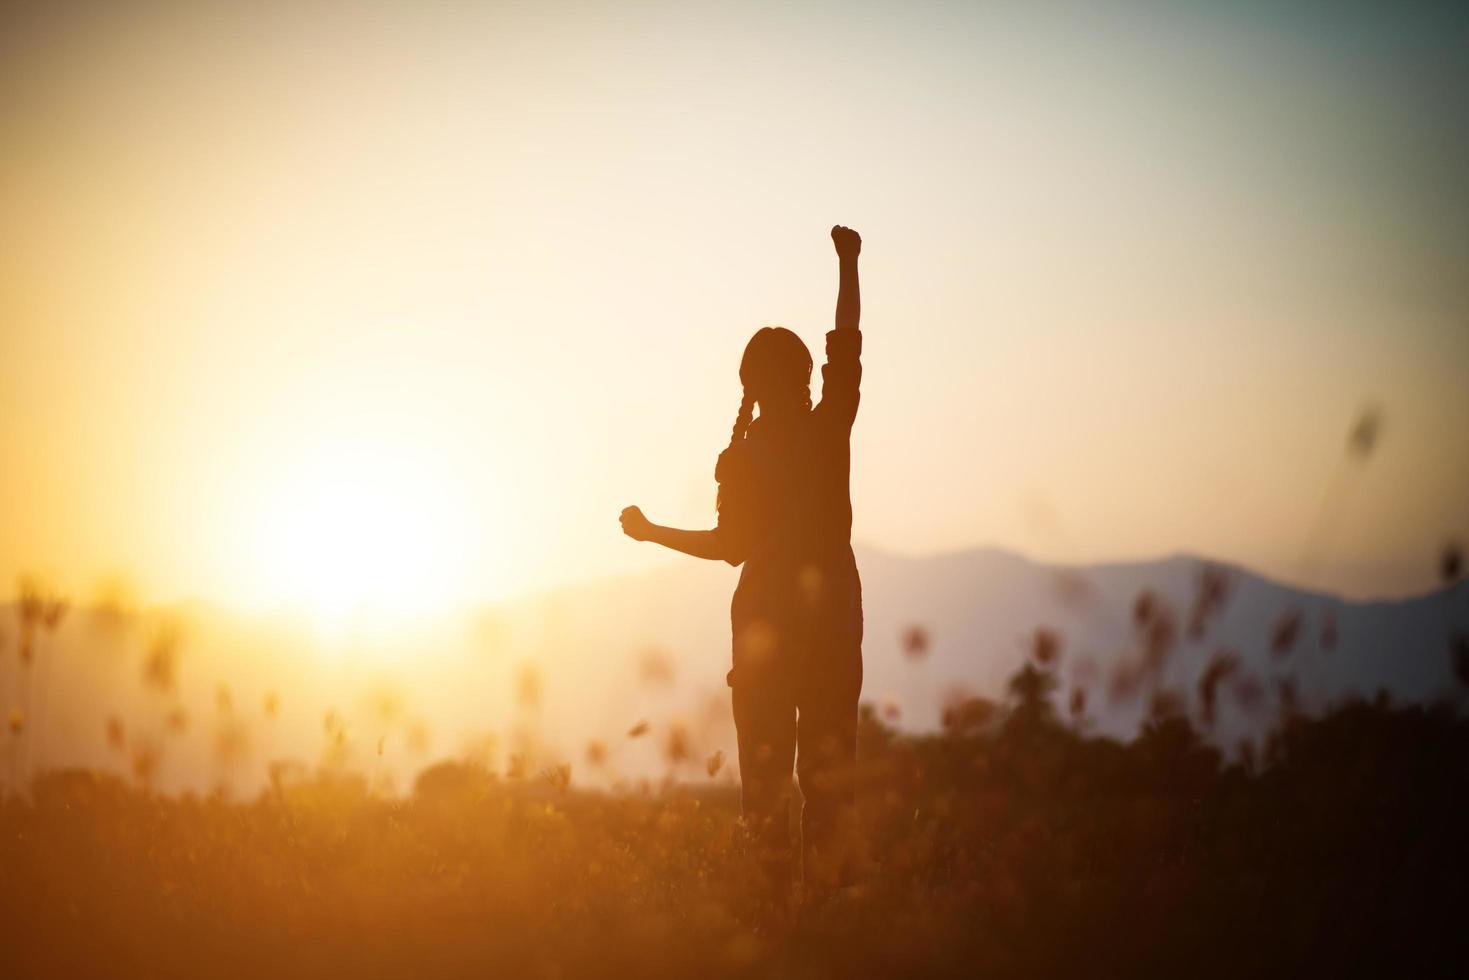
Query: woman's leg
pixel 828 696
pixel 765 727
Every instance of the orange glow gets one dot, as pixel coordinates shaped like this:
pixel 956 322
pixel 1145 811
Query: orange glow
pixel 365 528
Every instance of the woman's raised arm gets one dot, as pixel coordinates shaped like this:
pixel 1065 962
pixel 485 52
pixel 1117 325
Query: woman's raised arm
pixel 841 375
pixel 849 294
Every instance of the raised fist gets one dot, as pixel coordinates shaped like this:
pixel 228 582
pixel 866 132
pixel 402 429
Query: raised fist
pixel 847 241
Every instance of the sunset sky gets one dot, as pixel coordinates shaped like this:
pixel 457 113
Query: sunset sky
pixel 401 303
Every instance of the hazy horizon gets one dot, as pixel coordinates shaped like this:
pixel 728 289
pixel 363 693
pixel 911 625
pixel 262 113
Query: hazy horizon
pixel 115 596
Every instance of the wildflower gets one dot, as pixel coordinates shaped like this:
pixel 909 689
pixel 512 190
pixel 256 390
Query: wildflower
pixel 1159 635
pixel 1365 433
pixel 31 603
pixel 116 735
pixel 559 776
pixel 160 668
pixel 1045 646
pixel 27 602
pixel 36 610
pixel 337 751
pixel 677 748
pixel 1221 666
pixel 915 642
pixel 1143 607
pixel 1285 632
pixel 53 614
pixel 1451 563
pixel 1209 598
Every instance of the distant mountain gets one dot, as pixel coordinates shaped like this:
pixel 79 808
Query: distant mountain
pixel 550 676
pixel 980 609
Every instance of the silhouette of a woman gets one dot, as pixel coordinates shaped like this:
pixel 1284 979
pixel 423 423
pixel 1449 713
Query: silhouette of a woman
pixel 785 512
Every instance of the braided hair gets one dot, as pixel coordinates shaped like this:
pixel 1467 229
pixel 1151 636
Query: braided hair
pixel 724 467
pixel 776 364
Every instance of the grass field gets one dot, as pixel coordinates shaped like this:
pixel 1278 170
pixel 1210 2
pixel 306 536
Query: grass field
pixel 1008 846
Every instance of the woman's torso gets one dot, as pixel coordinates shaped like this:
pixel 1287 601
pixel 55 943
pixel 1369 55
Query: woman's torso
pixel 799 561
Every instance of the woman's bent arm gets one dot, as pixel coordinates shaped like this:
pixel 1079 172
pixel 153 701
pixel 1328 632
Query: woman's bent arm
pixel 698 544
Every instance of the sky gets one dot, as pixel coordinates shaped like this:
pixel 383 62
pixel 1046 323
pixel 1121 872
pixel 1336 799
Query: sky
pixel 400 303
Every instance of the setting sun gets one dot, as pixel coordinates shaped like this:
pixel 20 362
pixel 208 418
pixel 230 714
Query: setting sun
pixel 364 527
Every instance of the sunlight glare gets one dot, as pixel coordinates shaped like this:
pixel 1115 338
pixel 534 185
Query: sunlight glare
pixel 365 533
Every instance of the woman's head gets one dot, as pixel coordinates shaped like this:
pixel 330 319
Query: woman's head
pixel 776 374
pixel 776 371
